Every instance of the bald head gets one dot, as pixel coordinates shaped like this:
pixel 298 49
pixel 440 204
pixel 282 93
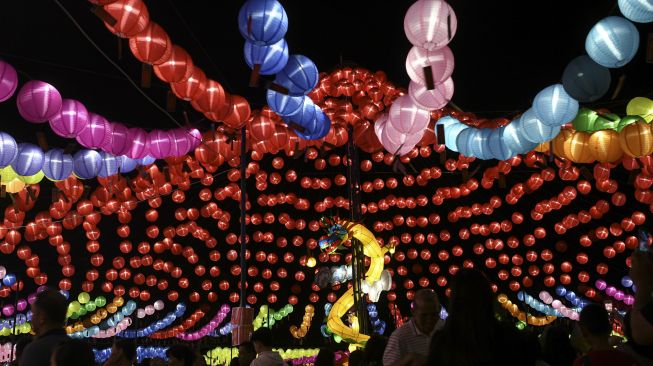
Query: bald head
pixel 426 310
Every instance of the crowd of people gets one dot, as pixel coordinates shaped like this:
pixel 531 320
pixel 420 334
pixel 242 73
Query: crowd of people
pixel 473 334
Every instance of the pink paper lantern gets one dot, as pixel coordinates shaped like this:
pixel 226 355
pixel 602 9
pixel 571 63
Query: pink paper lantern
pixel 430 24
pixel 158 144
pixel 96 134
pixel 70 120
pixel 195 138
pixel 8 81
pixel 406 117
pixel 396 142
pixel 379 125
pixel 441 62
pixel 120 142
pixel 138 138
pixel 180 143
pixel 38 101
pixel 431 99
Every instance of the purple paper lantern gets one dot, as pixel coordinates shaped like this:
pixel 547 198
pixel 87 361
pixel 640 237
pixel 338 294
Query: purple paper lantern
pixel 57 165
pixel 38 101
pixel 158 144
pixel 109 166
pixel 8 81
pixel 8 149
pixel 87 164
pixel 138 139
pixel 8 310
pixel 195 137
pixel 120 142
pixel 21 305
pixel 70 120
pixel 96 133
pixel 29 160
pixel 181 143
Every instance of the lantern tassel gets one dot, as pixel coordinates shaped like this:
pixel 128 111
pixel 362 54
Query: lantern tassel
pixel 103 15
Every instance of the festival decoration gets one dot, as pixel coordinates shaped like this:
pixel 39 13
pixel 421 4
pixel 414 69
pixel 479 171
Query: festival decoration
pixel 300 332
pixel 8 81
pixel 639 11
pixel 612 42
pixel 585 80
pixel 38 101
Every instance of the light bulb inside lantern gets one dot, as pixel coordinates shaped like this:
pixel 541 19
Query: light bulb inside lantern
pixel 311 262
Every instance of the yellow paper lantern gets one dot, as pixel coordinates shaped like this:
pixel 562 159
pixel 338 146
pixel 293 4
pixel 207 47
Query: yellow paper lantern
pixel 559 142
pixel 636 139
pixel 112 308
pixel 577 148
pixel 14 186
pixel 642 107
pixel 7 174
pixel 33 179
pixel 605 146
pixel 118 301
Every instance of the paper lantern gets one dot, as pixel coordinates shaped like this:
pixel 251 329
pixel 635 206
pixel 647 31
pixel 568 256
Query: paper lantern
pixel 605 146
pixel 38 101
pixel 431 99
pixel 497 146
pixel 192 88
pixel 636 139
pixel 577 148
pixel 639 11
pixel 87 164
pixel 8 81
pixel 29 160
pixel 407 117
pixel 261 127
pixel 398 143
pixel 147 160
pixel 319 129
pixel 57 165
pixel 127 164
pixel 477 143
pixel 158 144
pixel 109 166
pixel 131 17
pixel 8 149
pixel 452 127
pixel 612 42
pixel 120 142
pixel 642 107
pixel 263 21
pixel 212 98
pixel 585 80
pixel 284 105
pixel 238 112
pixel 513 137
pixel 138 138
pixel 97 132
pixel 536 131
pixel 14 186
pixel 180 142
pixel 554 107
pixel 559 142
pixel 34 179
pixel 152 45
pixel 585 120
pixel 430 24
pixel 271 58
pixel 299 76
pixel 440 60
pixel 8 174
pixel 623 122
pixel 179 67
pixel 71 119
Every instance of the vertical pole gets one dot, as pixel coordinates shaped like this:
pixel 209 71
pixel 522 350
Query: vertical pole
pixel 13 333
pixel 243 208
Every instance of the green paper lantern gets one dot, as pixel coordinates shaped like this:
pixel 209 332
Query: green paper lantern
pixel 7 174
pixel 100 301
pixel 585 120
pixel 83 297
pixel 90 306
pixel 606 121
pixel 33 179
pixel 628 120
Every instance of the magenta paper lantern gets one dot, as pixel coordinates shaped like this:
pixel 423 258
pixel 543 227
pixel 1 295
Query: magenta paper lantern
pixel 406 117
pixel 8 81
pixel 431 99
pixel 180 142
pixel 96 134
pixel 120 142
pixel 38 101
pixel 195 137
pixel 441 62
pixel 71 119
pixel 138 140
pixel 158 144
pixel 430 24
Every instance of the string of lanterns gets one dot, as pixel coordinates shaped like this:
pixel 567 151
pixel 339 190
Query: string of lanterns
pixel 300 332
pixel 513 309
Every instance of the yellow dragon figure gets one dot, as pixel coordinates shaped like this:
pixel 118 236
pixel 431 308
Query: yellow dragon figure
pixel 339 232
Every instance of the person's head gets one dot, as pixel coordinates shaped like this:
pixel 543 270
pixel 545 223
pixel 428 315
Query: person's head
pixel 179 355
pixel 72 352
pixel 325 358
pixel 20 347
pixel 594 322
pixel 426 310
pixel 262 339
pixel 246 353
pixel 126 349
pixel 48 311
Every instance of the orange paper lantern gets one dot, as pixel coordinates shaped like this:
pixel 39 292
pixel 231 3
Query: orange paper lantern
pixel 577 148
pixel 636 139
pixel 559 142
pixel 605 146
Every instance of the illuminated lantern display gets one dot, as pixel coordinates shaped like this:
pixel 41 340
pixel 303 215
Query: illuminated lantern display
pixel 612 42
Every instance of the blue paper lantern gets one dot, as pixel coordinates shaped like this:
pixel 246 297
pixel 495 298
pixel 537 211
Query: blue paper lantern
pixel 146 161
pixel 109 166
pixel 585 80
pixel 514 139
pixel 272 58
pixel 498 148
pixel 87 163
pixel 9 279
pixel 299 76
pixel 536 131
pixel 127 164
pixel 479 144
pixel 640 11
pixel 554 107
pixel 284 105
pixel 8 149
pixel 561 291
pixel 263 21
pixel 57 165
pixel 316 129
pixel 463 141
pixel 29 160
pixel 451 132
pixel 612 42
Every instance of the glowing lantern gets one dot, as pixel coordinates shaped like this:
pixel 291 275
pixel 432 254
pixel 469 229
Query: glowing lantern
pixel 612 42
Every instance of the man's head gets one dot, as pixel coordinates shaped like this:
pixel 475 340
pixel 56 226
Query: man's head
pixel 48 311
pixel 126 349
pixel 426 310
pixel 594 322
pixel 246 353
pixel 262 340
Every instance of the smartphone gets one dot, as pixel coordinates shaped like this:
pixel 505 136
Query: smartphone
pixel 644 239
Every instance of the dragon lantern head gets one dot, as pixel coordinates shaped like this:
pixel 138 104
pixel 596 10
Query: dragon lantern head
pixel 336 235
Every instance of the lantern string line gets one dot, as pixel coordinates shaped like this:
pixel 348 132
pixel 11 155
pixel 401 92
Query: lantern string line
pixel 217 174
pixel 129 79
pixel 199 44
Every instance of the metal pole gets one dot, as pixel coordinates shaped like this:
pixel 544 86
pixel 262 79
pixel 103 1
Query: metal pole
pixel 243 208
